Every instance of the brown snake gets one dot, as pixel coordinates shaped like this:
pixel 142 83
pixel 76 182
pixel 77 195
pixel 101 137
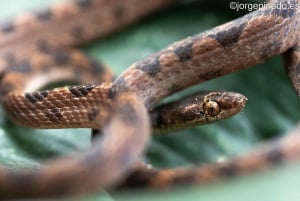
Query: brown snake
pixel 28 54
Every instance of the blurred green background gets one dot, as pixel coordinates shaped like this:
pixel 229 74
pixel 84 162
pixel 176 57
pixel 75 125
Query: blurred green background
pixel 272 110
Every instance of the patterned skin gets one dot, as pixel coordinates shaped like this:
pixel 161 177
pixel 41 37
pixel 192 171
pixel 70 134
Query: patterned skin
pixel 26 61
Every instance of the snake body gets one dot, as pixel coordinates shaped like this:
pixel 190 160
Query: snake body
pixel 26 49
pixel 244 38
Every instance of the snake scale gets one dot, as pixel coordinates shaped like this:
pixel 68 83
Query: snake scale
pixel 35 46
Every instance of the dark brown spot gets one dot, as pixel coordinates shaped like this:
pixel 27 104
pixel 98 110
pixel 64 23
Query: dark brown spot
pixel 77 32
pixel 275 156
pixel 227 170
pixel 81 90
pixel 36 96
pixel 128 113
pixel 14 65
pixel 5 88
pixel 157 120
pixel 21 180
pixel 44 15
pixel 211 74
pixel 114 91
pixel 61 57
pixel 10 59
pixel 298 69
pixel 8 27
pixel 184 52
pixel 270 50
pixel 229 36
pixel 54 115
pixel 21 67
pixel 15 115
pixel 2 75
pixel 174 89
pixel 150 65
pixel 149 102
pixel 84 3
pixel 183 179
pixel 139 178
pixel 285 9
pixel 93 114
pixel 118 12
pixel 43 46
pixel 97 67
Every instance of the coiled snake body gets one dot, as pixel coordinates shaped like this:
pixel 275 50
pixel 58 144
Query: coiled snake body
pixel 30 57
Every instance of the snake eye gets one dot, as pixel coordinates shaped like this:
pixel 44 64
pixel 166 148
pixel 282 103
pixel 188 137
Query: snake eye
pixel 211 108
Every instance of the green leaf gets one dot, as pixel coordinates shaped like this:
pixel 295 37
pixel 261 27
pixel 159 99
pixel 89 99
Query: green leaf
pixel 272 110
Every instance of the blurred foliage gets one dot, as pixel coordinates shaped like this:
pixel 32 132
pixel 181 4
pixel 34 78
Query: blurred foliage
pixel 272 110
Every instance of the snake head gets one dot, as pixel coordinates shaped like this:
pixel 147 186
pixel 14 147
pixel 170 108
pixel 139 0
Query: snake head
pixel 199 109
pixel 220 105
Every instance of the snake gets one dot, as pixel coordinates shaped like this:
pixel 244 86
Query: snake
pixel 37 48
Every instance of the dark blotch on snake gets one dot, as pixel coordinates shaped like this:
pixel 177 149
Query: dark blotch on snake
pixel 285 9
pixel 115 90
pixel 127 112
pixel 81 90
pixel 269 50
pixel 22 67
pixel 36 96
pixel 180 180
pixel 77 32
pixel 13 65
pixel 97 67
pixel 184 52
pixel 2 75
pixel 84 3
pixel 296 48
pixel 229 36
pixel 44 15
pixel 43 46
pixel 275 156
pixel 150 65
pixel 157 120
pixel 118 12
pixel 5 88
pixel 149 102
pixel 54 115
pixel 16 178
pixel 139 178
pixel 8 27
pixel 92 114
pixel 211 74
pixel 10 59
pixel 227 170
pixel 61 57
